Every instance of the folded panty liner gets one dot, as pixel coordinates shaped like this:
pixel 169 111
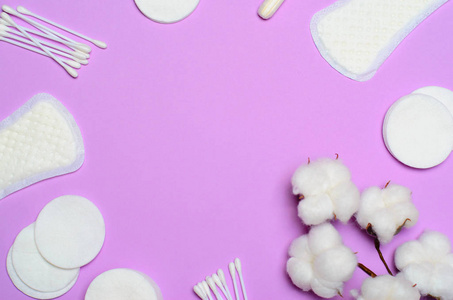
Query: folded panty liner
pixel 38 141
pixel 356 36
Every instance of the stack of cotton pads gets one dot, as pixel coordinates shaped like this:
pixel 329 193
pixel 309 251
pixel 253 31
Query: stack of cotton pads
pixel 167 11
pixel 68 53
pixel 45 259
pixel 356 36
pixel 418 128
pixel 123 284
pixel 38 141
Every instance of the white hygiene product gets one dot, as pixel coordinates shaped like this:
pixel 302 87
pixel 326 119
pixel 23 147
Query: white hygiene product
pixel 80 229
pixel 28 290
pixel 167 11
pixel 268 8
pixel 33 269
pixel 418 131
pixel 120 284
pixel 38 141
pixel 356 36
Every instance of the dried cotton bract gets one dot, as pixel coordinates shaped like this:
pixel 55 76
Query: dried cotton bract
pixel 328 191
pixel 320 262
pixel 428 263
pixel 387 287
pixel 386 211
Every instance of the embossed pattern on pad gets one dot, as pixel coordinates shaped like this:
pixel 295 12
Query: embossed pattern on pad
pixel 38 141
pixel 357 36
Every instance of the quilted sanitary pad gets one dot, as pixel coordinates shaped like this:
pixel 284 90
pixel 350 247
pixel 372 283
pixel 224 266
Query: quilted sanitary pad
pixel 38 141
pixel 357 36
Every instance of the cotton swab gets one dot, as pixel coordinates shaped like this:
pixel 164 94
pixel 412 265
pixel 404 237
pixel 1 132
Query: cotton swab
pixel 78 47
pixel 233 277
pixel 213 287
pixel 223 280
pixel 219 284
pixel 268 8
pixel 238 265
pixel 61 49
pixel 68 69
pixel 25 11
pixel 200 293
pixel 206 289
pixel 43 28
pixel 71 63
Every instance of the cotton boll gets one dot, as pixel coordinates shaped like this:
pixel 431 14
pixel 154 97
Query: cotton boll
pixel 314 210
pixel 336 264
pixel 328 191
pixel 346 200
pixel 300 272
pixel 323 237
pixel 388 287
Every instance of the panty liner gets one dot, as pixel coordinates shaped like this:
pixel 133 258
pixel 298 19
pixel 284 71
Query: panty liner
pixel 356 36
pixel 38 141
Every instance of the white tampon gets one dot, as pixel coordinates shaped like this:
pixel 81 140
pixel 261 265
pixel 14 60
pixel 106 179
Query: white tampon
pixel 78 48
pixel 68 69
pixel 44 29
pixel 238 265
pixel 219 284
pixel 223 280
pixel 233 277
pixel 200 293
pixel 71 63
pixel 206 289
pixel 25 11
pixel 268 8
pixel 213 287
pixel 50 45
pixel 23 44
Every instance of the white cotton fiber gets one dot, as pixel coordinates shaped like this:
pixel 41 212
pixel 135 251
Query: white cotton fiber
pixel 387 287
pixel 38 141
pixel 428 263
pixel 386 210
pixel 356 36
pixel 320 262
pixel 328 191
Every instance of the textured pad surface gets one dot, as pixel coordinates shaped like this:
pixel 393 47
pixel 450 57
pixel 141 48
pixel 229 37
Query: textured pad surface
pixel 80 229
pixel 33 269
pixel 418 131
pixel 26 289
pixel 357 36
pixel 167 11
pixel 121 284
pixel 38 141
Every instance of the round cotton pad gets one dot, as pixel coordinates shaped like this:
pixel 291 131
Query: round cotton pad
pixel 167 11
pixel 418 131
pixel 123 284
pixel 26 289
pixel 33 269
pixel 69 232
pixel 442 94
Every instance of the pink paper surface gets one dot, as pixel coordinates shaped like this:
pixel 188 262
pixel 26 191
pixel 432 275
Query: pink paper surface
pixel 193 130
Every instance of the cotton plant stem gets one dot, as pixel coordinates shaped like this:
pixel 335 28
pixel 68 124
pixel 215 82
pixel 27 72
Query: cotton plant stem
pixel 366 270
pixel 377 244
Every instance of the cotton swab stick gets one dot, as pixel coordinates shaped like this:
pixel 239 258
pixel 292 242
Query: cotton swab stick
pixel 71 63
pixel 268 8
pixel 206 289
pixel 219 284
pixel 213 287
pixel 77 46
pixel 61 49
pixel 233 277
pixel 200 293
pixel 223 280
pixel 25 11
pixel 238 265
pixel 68 69
pixel 43 28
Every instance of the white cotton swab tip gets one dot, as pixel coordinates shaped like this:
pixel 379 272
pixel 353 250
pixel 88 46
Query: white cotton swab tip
pixel 206 289
pixel 238 265
pixel 23 10
pixel 199 292
pixel 8 9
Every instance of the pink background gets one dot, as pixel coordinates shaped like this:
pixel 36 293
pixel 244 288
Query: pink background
pixel 193 130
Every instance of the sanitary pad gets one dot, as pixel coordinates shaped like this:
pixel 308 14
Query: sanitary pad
pixel 38 141
pixel 357 36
